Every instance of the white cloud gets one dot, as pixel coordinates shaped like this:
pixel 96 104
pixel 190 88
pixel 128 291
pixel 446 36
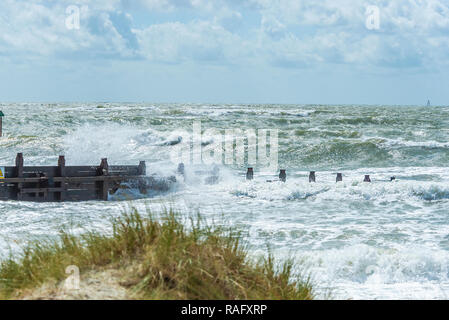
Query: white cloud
pixel 334 31
pixel 287 33
pixel 38 28
pixel 198 41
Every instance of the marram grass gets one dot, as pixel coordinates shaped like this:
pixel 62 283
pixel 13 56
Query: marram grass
pixel 159 259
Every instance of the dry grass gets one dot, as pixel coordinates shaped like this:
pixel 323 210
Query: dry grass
pixel 156 259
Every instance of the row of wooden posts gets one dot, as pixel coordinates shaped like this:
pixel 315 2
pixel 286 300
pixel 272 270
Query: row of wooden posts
pixel 65 183
pixel 312 176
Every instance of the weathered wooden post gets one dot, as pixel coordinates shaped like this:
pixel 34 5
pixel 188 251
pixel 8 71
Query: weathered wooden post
pixel 339 177
pixel 61 166
pixel 142 171
pixel 250 174
pixel 312 176
pixel 142 168
pixel 104 171
pixel 19 174
pixel 1 124
pixel 61 173
pixel 367 178
pixel 283 175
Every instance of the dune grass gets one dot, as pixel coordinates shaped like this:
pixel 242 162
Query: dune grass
pixel 172 258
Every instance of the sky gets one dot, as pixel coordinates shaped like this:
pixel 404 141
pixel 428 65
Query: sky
pixel 393 52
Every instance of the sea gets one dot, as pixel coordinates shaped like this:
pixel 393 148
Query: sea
pixel 384 239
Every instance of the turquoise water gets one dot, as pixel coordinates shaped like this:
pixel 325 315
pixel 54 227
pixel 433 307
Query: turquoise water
pixel 371 241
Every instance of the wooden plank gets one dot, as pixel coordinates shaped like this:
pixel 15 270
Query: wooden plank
pixel 40 190
pixel 23 180
pixel 81 171
pixel 76 171
pixel 48 171
pixel 97 178
pixel 122 167
pixel 91 187
pixel 69 179
pixel 124 170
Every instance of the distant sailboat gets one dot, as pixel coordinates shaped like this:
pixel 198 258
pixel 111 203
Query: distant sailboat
pixel 428 103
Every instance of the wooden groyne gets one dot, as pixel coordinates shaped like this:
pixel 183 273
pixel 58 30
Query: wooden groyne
pixel 312 176
pixel 66 183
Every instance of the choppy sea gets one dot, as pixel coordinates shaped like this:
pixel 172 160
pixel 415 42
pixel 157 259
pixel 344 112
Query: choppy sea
pixel 379 240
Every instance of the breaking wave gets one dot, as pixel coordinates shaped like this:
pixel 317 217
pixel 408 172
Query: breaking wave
pixel 384 190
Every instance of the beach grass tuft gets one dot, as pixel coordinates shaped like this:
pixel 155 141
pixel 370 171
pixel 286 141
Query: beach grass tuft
pixel 163 257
